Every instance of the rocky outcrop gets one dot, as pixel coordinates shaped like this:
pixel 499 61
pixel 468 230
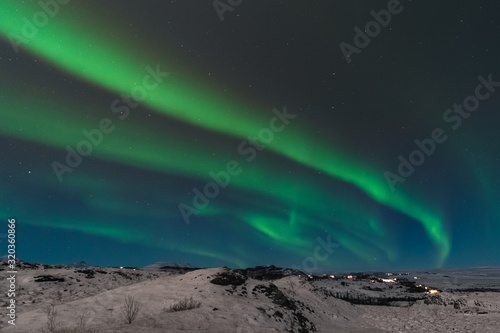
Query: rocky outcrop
pixel 269 272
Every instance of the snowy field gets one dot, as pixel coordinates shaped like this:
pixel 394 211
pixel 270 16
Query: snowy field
pixel 268 299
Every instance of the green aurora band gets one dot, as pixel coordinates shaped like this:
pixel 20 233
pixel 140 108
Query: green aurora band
pixel 84 51
pixel 309 197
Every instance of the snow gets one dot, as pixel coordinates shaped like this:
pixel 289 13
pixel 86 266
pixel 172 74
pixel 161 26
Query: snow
pixel 248 304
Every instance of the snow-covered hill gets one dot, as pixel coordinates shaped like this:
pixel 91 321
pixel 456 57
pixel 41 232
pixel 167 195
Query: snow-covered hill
pixel 260 299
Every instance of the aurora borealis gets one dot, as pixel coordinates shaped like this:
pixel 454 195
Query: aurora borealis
pixel 178 96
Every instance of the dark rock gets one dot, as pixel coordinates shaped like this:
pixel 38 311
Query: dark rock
pixel 229 278
pixel 276 295
pixel 89 273
pixel 48 278
pixel 269 272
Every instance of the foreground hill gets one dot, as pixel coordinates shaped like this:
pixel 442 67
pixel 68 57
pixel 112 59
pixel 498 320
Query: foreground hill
pixel 262 299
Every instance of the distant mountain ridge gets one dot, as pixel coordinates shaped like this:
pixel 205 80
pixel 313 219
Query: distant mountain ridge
pixel 6 257
pixel 79 264
pixel 167 264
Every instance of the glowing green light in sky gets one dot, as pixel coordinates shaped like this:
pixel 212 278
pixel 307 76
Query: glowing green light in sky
pixel 86 51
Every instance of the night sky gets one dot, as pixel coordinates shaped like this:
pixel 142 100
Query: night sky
pixel 245 133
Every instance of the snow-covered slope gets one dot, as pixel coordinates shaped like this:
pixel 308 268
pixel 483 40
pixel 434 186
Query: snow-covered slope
pixel 261 299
